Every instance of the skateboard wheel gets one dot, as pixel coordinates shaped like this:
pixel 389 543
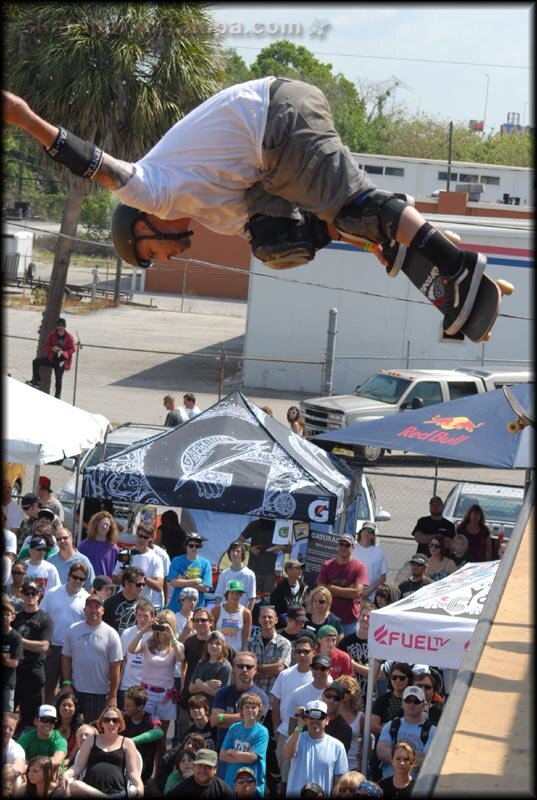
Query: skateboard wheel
pixel 486 337
pixel 505 287
pixel 514 427
pixel 453 237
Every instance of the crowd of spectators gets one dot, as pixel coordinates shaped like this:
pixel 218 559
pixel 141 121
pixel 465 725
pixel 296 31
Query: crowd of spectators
pixel 121 680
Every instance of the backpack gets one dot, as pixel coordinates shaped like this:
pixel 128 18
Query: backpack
pixel 424 733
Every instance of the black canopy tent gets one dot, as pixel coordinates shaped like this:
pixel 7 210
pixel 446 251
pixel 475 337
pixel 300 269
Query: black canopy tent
pixel 232 458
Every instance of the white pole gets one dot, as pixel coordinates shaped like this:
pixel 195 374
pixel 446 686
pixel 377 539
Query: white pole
pixel 367 724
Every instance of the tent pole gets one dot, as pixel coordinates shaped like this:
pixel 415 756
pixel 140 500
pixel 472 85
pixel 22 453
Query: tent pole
pixel 367 724
pixel 80 520
pixel 77 478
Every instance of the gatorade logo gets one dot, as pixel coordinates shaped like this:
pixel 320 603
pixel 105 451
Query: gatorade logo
pixel 318 511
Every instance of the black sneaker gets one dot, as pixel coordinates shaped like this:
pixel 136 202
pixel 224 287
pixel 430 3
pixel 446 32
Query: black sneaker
pixel 35 384
pixel 395 255
pixel 460 290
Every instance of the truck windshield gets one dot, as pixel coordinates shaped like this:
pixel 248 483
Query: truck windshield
pixel 383 387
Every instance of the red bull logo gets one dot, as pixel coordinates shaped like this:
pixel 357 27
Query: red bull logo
pixel 447 425
pixel 454 423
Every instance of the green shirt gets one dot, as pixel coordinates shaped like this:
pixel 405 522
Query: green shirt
pixel 34 746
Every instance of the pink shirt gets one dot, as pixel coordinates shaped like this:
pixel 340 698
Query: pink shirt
pixel 340 664
pixel 158 668
pixel 344 575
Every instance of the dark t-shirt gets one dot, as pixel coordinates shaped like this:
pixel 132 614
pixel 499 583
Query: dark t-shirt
pixel 433 527
pixel 147 749
pixel 208 734
pixel 38 627
pixel 341 730
pixel 260 532
pixel 119 612
pixel 357 649
pixel 189 788
pixel 12 647
pixel 409 587
pixel 331 619
pixel 387 706
pixel 193 651
pixel 386 784
pixel 282 596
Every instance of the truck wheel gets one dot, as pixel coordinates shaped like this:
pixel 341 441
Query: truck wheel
pixel 370 455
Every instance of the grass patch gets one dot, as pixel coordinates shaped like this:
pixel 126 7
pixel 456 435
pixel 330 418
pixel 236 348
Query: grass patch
pixel 71 305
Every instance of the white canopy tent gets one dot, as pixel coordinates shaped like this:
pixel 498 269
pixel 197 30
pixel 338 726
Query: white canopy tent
pixel 431 626
pixel 40 429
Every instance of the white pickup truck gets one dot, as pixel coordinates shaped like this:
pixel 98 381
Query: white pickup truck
pixel 390 391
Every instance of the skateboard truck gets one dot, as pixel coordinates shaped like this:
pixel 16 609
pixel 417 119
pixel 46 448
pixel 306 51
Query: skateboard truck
pixel 524 418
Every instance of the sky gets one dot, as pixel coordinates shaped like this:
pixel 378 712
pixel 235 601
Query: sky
pixel 418 44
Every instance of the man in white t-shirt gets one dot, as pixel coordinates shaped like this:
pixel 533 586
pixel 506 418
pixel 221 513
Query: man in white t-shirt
pixel 238 571
pixel 262 156
pixel 315 756
pixel 189 402
pixel 15 514
pixel 149 562
pixel 13 755
pixel 65 605
pixel 131 671
pixel 369 553
pixel 42 572
pixel 282 704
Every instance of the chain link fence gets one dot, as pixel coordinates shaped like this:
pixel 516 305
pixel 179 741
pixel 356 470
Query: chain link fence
pixel 128 384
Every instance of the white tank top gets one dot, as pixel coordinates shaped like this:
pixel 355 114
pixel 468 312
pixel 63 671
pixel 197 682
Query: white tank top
pixel 231 625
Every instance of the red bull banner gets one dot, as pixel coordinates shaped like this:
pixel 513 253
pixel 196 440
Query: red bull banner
pixel 445 430
pixel 435 624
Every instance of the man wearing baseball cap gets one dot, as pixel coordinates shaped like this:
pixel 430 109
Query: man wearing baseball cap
pixel 418 577
pixel 296 619
pixel 433 525
pixel 340 662
pixel 43 572
pixel 30 504
pixel 314 754
pixel 204 783
pixel 44 492
pixel 245 783
pixel 413 727
pixel 345 577
pixel 44 739
pixel 369 553
pixel 190 570
pixel 292 590
pixel 59 349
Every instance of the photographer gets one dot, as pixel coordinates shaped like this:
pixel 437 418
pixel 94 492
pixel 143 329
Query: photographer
pixel 313 752
pixel 119 610
pixel 143 557
pixel 160 653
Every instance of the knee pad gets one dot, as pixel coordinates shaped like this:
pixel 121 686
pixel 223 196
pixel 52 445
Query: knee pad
pixel 376 218
pixel 283 243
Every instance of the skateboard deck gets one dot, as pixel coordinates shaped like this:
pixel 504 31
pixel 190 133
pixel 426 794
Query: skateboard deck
pixel 524 416
pixel 427 279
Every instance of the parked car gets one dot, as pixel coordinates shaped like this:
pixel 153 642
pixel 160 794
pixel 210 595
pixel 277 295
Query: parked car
pixel 501 504
pixel 14 473
pixel 117 440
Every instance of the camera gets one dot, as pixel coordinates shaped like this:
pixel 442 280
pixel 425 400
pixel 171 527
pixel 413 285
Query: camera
pixel 313 713
pixel 158 627
pixel 126 555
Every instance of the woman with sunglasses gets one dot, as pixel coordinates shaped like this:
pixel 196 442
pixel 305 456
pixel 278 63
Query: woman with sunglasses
pixel 100 546
pixel 108 759
pixel 400 784
pixel 351 709
pixel 14 588
pixel 390 704
pixel 439 565
pixel 318 611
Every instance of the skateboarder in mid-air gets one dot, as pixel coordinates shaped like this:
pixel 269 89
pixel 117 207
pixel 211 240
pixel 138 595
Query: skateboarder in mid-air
pixel 261 158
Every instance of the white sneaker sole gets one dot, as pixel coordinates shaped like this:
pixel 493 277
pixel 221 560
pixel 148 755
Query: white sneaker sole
pixel 464 313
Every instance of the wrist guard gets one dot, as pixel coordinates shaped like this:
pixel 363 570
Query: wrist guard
pixel 81 158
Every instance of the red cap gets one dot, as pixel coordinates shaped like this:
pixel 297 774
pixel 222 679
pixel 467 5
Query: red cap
pixel 44 482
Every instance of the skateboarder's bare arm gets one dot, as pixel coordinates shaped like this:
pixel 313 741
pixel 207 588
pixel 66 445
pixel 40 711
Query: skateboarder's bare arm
pixel 112 174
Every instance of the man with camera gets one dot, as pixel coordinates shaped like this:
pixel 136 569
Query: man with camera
pixel 314 753
pixel 119 610
pixel 143 557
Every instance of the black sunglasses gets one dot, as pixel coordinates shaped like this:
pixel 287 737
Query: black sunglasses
pixel 344 544
pixel 245 780
pixel 193 544
pixel 398 677
pixel 302 651
pixel 78 578
pixel 115 720
pixel 245 666
pixel 30 594
pixel 323 669
pixel 138 584
pixel 20 572
pixel 48 720
pixel 332 696
pixel 413 701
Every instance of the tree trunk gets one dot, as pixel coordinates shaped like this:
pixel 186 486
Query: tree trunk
pixel 58 278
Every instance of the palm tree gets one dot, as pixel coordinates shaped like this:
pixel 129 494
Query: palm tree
pixel 117 74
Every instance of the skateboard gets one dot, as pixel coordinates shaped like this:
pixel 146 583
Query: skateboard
pixel 427 279
pixel 524 417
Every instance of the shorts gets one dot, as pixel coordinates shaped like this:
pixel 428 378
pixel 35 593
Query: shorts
pixel 306 165
pixel 158 706
pixel 283 763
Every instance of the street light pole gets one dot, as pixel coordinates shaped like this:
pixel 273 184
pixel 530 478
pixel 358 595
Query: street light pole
pixel 486 100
